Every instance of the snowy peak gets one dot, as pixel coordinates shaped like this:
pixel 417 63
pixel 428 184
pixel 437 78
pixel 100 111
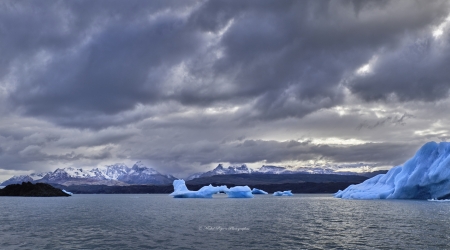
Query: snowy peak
pixel 220 170
pixel 58 174
pixel 38 176
pixel 76 172
pixel 243 169
pixel 141 174
pixel 111 172
pixel 139 168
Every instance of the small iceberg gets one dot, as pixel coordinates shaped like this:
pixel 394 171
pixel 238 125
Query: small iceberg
pixel 284 193
pixel 436 200
pixel 239 192
pixel 258 191
pixel 67 192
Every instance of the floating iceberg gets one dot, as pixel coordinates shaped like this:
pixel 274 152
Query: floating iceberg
pixel 284 193
pixel 258 191
pixel 436 200
pixel 239 192
pixel 425 176
pixel 67 192
pixel 181 191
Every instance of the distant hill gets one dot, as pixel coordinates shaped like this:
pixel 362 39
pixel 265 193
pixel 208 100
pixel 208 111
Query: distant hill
pixel 32 190
pixel 256 179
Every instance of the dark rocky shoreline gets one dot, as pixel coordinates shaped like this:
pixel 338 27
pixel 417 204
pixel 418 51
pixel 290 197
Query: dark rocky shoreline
pixel 32 190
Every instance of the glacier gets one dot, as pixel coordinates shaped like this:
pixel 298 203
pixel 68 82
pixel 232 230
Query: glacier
pixel 258 191
pixel 284 193
pixel 181 191
pixel 425 176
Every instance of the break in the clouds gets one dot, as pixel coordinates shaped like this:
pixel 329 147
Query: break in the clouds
pixel 185 85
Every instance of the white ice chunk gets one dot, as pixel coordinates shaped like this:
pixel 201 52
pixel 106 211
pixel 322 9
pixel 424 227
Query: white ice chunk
pixel 425 176
pixel 67 192
pixel 258 191
pixel 284 193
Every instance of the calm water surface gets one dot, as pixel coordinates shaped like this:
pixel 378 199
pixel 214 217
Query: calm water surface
pixel 265 222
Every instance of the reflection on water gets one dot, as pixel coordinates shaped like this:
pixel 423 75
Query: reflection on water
pixel 264 222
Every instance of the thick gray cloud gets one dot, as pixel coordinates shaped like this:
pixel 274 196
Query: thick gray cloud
pixel 184 85
pixel 417 71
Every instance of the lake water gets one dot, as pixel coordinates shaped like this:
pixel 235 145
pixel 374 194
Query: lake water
pixel 156 221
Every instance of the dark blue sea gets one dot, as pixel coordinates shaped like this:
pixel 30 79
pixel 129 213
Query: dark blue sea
pixel 154 221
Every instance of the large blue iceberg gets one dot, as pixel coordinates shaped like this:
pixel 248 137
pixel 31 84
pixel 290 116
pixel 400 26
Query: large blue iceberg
pixel 284 193
pixel 181 191
pixel 425 176
pixel 258 191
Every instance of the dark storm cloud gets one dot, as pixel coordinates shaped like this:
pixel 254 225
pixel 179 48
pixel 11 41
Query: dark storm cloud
pixel 251 151
pixel 417 71
pixel 85 64
pixel 32 157
pixel 104 72
pixel 291 55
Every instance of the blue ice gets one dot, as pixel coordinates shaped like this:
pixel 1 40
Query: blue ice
pixel 258 191
pixel 425 176
pixel 284 193
pixel 181 191
pixel 239 192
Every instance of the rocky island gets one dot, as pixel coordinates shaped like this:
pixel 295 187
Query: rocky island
pixel 32 190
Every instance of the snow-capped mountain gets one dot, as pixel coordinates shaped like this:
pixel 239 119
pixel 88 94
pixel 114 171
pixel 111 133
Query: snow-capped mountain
pixel 23 178
pixel 140 174
pixel 37 176
pixel 17 179
pixel 220 170
pixel 117 174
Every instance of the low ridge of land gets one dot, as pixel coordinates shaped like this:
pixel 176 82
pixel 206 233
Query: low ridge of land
pixel 33 190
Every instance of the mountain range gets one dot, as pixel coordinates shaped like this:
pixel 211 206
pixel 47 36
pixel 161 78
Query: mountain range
pixel 113 175
pixel 267 169
pixel 121 175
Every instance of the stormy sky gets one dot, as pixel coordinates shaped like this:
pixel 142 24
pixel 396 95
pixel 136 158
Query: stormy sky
pixel 185 85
